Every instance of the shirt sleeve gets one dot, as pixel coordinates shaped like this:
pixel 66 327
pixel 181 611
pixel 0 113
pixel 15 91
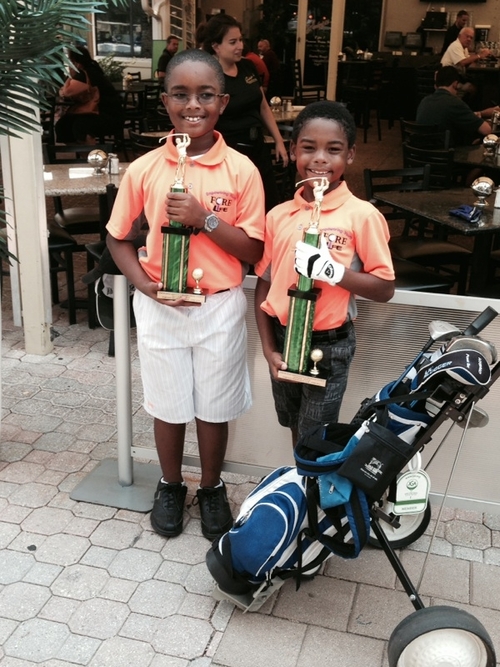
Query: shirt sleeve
pixel 263 267
pixel 251 209
pixel 127 207
pixel 372 246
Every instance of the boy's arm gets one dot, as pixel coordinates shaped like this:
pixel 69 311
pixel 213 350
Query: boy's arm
pixel 125 256
pixel 367 286
pixel 266 332
pixel 318 264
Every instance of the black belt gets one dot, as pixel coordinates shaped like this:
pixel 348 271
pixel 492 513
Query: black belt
pixel 331 335
pixel 327 335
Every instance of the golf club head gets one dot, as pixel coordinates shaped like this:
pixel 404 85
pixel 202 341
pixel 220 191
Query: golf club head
pixel 478 418
pixel 487 349
pixel 439 330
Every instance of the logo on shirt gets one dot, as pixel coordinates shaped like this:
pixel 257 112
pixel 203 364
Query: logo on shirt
pixel 337 240
pixel 250 79
pixel 220 202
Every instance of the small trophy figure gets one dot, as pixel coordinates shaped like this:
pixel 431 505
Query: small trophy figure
pixel 303 295
pixel 175 252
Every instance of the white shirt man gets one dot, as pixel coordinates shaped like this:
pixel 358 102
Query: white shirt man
pixel 457 53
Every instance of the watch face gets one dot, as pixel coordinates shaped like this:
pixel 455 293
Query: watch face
pixel 211 222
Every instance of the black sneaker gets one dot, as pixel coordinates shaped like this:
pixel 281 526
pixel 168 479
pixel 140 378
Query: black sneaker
pixel 168 506
pixel 216 517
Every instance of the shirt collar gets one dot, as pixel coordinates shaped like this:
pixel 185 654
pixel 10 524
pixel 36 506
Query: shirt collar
pixel 331 200
pixel 214 156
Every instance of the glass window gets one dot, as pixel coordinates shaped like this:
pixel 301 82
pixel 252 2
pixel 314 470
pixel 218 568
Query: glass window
pixel 124 32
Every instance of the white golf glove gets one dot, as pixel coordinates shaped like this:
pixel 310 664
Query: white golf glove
pixel 317 263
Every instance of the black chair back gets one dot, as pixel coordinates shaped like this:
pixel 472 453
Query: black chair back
pixel 141 144
pixel 439 159
pixel 303 94
pixel 387 180
pixel 424 136
pixel 425 81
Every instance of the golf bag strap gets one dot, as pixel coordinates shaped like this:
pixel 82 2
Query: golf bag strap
pixel 404 398
pixel 356 523
pixel 383 415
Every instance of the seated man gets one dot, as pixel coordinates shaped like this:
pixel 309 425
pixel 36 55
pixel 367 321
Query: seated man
pixel 457 53
pixel 445 109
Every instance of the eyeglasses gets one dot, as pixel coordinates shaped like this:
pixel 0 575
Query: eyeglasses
pixel 203 98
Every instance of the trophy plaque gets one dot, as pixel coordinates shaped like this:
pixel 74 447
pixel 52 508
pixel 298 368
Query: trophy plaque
pixel 175 247
pixel 300 359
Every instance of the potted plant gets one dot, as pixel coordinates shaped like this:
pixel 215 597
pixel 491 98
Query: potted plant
pixel 112 68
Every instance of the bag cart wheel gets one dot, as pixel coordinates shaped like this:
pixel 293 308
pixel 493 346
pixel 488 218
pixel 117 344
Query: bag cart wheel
pixel 440 637
pixel 411 527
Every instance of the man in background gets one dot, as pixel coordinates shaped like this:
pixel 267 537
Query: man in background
pixel 273 65
pixel 260 65
pixel 445 109
pixel 453 31
pixel 166 56
pixel 458 54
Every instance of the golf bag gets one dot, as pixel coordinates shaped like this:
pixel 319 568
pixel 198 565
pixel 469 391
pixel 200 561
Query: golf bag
pixel 298 517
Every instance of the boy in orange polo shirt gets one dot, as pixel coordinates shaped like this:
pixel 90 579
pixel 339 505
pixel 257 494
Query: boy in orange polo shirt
pixel 353 258
pixel 193 358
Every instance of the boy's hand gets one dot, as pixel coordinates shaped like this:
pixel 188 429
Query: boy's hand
pixel 276 363
pixel 186 209
pixel 317 263
pixel 151 289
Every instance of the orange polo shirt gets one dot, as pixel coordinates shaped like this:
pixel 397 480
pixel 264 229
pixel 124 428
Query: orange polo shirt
pixel 222 180
pixel 357 235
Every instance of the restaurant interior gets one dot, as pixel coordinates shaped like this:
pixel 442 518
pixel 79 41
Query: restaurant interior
pixel 384 66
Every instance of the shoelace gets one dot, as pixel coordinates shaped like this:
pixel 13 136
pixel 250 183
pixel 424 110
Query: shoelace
pixel 213 500
pixel 170 500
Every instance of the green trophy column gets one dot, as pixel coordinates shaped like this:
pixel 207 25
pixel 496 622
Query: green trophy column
pixel 300 318
pixel 175 253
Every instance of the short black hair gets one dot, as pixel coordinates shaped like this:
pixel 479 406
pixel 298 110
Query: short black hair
pixel 447 75
pixel 461 13
pixel 330 111
pixel 195 55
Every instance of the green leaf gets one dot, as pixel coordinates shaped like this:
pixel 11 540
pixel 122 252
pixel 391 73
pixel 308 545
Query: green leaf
pixel 34 36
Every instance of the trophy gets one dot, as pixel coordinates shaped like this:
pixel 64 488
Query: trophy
pixel 175 250
pixel 490 142
pixel 482 187
pixel 303 295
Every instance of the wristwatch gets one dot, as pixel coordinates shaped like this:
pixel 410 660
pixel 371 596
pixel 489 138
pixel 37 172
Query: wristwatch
pixel 211 223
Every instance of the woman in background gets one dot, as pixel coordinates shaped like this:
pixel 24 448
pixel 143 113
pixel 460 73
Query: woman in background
pixel 248 112
pixel 88 115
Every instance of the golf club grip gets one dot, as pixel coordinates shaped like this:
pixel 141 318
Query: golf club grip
pixel 481 321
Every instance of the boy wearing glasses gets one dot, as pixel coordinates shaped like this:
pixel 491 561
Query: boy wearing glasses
pixel 193 357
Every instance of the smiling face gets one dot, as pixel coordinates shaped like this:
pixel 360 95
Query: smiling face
pixel 230 50
pixel 321 150
pixel 194 117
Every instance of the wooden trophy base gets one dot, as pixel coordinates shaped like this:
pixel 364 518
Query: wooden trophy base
pixel 303 378
pixel 191 297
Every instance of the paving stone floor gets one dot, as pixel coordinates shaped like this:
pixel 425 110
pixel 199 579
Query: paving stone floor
pixel 87 584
